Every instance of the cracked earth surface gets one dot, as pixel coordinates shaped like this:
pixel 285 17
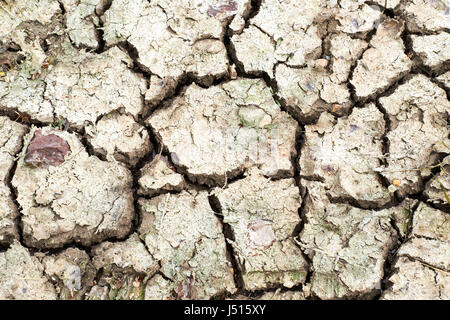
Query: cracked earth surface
pixel 224 149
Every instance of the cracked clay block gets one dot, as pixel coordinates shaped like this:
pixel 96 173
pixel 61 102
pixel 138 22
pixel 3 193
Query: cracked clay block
pixel 343 153
pixel 348 246
pixel 182 232
pixel 61 204
pixel 11 134
pixel 415 281
pixel 214 134
pixel 383 63
pixel 82 21
pixel 263 215
pixel 158 176
pixel 119 137
pixel 175 39
pixel 129 253
pixel 21 276
pixel 425 15
pixel 445 79
pixel 84 86
pixel 279 34
pixel 418 111
pixel 430 241
pixel 422 269
pixel 311 90
pixel 432 49
pixel 437 188
pixel 14 12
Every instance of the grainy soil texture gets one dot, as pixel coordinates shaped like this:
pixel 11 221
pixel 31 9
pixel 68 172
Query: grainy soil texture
pixel 224 149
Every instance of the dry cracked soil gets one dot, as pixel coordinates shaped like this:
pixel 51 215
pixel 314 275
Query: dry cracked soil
pixel 224 149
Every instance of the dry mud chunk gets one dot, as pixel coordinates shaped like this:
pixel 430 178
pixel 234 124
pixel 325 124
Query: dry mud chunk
pixel 415 281
pixel 175 39
pixel 158 176
pixel 279 33
pixel 24 25
pixel 433 49
pixel 215 133
pixel 84 86
pixel 25 95
pixel 159 288
pixel 263 215
pixel 82 199
pixel 445 79
pixel 418 111
pixel 72 271
pixel 383 63
pixel 430 240
pixel 356 17
pixel 21 276
pixel 183 234
pixel 347 245
pixel 129 253
pixel 14 12
pixel 389 4
pixel 425 15
pixel 81 21
pixel 438 188
pixel 11 134
pixel 344 153
pixel 287 295
pixel 119 137
pixel 255 50
pixel 125 266
pixel 309 91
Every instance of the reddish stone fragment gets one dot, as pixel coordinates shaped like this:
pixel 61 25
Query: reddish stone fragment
pixel 225 8
pixel 261 234
pixel 46 150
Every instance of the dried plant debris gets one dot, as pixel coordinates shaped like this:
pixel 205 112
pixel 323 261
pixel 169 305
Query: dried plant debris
pixel 22 276
pixel 183 234
pixel 60 203
pixel 126 267
pixel 422 269
pixel 438 188
pixel 418 112
pixel 343 153
pixel 402 216
pixel 71 271
pixel 11 134
pixel 159 176
pixel 263 215
pixel 347 245
pixel 214 134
